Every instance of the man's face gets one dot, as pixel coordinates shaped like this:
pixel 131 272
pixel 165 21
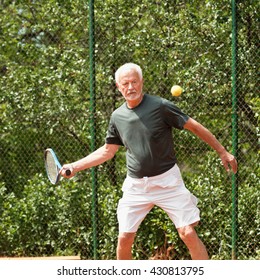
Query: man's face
pixel 131 87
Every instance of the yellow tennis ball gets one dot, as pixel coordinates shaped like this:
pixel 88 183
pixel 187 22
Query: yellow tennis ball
pixel 176 90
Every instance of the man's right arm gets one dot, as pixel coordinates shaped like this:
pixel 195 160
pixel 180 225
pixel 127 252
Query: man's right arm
pixel 101 155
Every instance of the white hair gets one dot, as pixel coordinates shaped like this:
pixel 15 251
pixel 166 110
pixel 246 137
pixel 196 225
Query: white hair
pixel 127 67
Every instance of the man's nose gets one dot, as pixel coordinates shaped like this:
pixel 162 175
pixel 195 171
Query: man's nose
pixel 130 86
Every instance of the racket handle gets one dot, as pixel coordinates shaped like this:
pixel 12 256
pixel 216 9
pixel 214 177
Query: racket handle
pixel 68 172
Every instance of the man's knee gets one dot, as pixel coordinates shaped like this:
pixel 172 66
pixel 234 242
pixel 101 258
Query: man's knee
pixel 126 239
pixel 188 233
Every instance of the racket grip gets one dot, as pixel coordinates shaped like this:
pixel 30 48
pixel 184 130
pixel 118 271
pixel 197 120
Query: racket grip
pixel 68 172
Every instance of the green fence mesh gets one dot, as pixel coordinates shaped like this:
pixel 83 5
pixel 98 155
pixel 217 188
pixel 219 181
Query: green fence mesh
pixel 45 68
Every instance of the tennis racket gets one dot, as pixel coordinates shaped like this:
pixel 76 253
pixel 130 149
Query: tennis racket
pixel 53 166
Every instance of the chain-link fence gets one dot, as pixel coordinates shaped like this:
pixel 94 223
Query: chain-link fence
pixel 57 91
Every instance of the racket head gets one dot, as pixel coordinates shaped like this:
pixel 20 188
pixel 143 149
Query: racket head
pixel 52 166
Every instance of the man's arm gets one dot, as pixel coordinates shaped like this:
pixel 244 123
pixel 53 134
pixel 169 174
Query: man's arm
pixel 204 134
pixel 104 153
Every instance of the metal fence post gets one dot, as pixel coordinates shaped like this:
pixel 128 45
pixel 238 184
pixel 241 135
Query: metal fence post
pixel 92 121
pixel 234 129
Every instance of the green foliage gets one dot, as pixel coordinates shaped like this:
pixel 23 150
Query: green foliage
pixel 42 221
pixel 213 188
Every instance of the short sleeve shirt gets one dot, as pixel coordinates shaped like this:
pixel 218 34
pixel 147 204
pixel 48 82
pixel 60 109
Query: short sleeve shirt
pixel 146 133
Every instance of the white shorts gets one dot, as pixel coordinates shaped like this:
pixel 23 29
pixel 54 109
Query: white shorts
pixel 166 191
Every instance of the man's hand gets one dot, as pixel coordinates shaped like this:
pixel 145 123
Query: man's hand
pixel 66 167
pixel 228 160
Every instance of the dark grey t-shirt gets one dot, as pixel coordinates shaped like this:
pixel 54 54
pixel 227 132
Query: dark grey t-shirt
pixel 146 132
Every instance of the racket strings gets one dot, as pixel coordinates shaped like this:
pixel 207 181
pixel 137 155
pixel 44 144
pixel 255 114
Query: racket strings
pixel 51 166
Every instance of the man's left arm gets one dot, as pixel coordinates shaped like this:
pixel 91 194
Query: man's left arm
pixel 204 134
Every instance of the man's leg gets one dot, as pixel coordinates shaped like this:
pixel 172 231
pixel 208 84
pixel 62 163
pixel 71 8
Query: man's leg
pixel 196 248
pixel 124 245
